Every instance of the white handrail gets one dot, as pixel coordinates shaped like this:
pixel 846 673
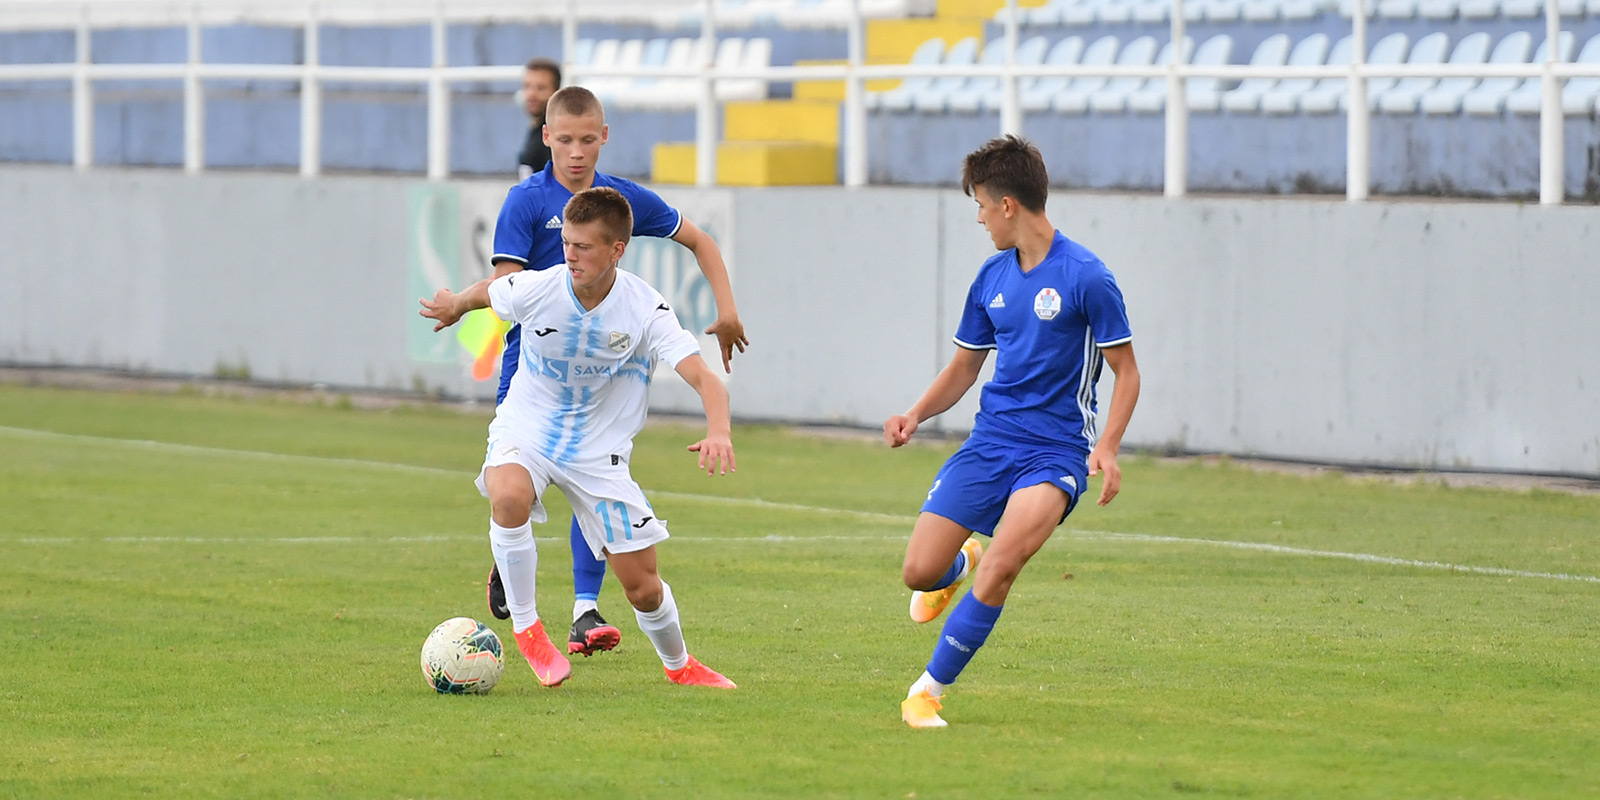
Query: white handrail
pixel 439 77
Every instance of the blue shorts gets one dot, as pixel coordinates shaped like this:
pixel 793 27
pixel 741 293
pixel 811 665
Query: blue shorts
pixel 973 486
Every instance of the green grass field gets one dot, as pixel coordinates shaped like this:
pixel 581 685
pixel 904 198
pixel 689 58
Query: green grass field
pixel 224 597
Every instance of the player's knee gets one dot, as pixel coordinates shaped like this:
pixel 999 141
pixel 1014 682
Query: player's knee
pixel 511 509
pixel 646 596
pixel 920 573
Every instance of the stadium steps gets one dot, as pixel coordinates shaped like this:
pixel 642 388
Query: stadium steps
pixel 765 143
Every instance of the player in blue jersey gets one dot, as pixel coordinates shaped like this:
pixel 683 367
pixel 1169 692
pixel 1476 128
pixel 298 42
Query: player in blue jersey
pixel 1052 312
pixel 528 236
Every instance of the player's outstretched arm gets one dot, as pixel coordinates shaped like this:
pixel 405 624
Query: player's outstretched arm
pixel 728 329
pixel 447 307
pixel 1124 395
pixel 953 382
pixel 716 450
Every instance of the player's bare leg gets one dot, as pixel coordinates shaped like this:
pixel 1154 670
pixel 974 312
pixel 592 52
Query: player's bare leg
pixel 511 499
pixel 657 612
pixel 939 558
pixel 1031 515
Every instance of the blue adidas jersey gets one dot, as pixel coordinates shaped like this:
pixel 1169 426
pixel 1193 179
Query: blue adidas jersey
pixel 1048 326
pixel 529 233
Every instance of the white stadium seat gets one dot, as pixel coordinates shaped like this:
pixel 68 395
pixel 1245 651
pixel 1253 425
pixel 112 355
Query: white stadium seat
pixel 988 95
pixel 1447 97
pixel 1406 96
pixel 1332 97
pixel 1036 92
pixel 1582 94
pixel 1429 50
pixel 932 96
pixel 1205 94
pixel 899 98
pixel 1113 97
pixel 1151 94
pixel 1284 98
pixel 936 98
pixel 1529 96
pixel 1075 99
pixel 1101 52
pixel 1272 52
pixel 1437 9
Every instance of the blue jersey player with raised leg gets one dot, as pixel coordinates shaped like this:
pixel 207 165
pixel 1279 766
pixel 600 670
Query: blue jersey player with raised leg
pixel 1052 312
pixel 527 236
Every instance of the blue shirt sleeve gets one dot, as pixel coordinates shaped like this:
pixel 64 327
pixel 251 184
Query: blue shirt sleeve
pixel 513 231
pixel 1103 306
pixel 976 330
pixel 651 215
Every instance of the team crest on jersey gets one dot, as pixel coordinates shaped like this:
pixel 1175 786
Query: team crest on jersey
pixel 620 341
pixel 1047 304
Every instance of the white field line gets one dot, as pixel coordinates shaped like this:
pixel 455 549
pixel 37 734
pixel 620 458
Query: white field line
pixel 899 519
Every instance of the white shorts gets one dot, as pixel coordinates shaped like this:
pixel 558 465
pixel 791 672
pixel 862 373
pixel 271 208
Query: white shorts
pixel 612 511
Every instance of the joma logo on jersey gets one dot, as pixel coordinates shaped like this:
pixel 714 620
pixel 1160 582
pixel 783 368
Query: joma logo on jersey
pixel 1047 304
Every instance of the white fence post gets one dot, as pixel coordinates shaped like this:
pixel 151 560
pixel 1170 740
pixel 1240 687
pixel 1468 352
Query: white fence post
pixel 194 101
pixel 855 104
pixel 311 100
pixel 83 97
pixel 1358 122
pixel 1010 103
pixel 438 102
pixel 1552 140
pixel 1176 179
pixel 705 121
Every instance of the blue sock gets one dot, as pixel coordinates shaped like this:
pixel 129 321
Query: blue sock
pixel 951 574
pixel 587 571
pixel 964 632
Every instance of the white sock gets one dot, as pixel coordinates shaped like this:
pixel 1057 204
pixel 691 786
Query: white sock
pixel 662 628
pixel 515 554
pixel 926 682
pixel 581 607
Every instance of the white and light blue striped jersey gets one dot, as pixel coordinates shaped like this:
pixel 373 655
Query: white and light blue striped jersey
pixel 581 390
pixel 1047 327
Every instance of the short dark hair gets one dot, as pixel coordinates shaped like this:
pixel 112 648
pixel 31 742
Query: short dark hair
pixel 605 205
pixel 575 101
pixel 1009 166
pixel 546 65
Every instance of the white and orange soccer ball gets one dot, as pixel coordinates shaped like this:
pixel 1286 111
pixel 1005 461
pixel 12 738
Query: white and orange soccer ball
pixel 462 656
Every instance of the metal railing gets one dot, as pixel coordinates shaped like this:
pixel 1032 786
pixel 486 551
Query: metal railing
pixel 439 78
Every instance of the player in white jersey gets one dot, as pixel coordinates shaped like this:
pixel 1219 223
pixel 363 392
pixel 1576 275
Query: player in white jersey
pixel 569 418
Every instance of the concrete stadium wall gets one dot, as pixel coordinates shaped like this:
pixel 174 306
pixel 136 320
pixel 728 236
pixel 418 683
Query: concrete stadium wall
pixel 1405 334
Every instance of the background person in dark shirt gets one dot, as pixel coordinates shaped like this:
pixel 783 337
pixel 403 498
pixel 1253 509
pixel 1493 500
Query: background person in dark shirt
pixel 540 79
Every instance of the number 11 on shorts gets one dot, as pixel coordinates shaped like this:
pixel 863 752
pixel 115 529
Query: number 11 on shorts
pixel 622 512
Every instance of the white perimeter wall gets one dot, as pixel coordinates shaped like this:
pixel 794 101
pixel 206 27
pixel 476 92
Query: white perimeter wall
pixel 1412 334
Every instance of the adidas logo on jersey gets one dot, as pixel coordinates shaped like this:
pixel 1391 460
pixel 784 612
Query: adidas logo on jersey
pixel 553 223
pixel 999 301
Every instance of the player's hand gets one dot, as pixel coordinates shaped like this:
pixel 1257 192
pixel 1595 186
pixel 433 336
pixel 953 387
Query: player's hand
pixel 897 429
pixel 1104 461
pixel 441 308
pixel 716 455
pixel 730 334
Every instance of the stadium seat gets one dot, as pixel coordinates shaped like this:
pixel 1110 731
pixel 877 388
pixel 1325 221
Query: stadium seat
pixel 1047 14
pixel 1036 92
pixel 1582 95
pixel 1429 50
pixel 1205 94
pixel 1347 8
pixel 899 98
pixel 1272 52
pixel 936 98
pixel 1489 97
pixel 757 54
pixel 1396 9
pixel 682 53
pixel 582 52
pixel 1448 96
pixel 1437 9
pixel 1030 52
pixel 1284 98
pixel 1521 9
pixel 1082 12
pixel 1406 95
pixel 1478 9
pixel 1261 10
pixel 1223 10
pixel 1152 12
pixel 963 54
pixel 1334 96
pixel 1151 94
pixel 1140 52
pixel 1113 97
pixel 630 91
pixel 1529 96
pixel 629 54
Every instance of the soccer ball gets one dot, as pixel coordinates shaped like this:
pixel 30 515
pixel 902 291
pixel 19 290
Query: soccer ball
pixel 462 656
